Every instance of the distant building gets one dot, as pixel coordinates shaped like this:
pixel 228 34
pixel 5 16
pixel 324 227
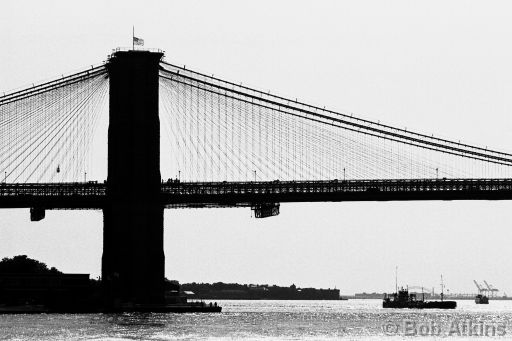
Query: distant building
pixel 372 295
pixel 258 292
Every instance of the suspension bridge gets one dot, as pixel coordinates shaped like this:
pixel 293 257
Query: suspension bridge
pixel 178 138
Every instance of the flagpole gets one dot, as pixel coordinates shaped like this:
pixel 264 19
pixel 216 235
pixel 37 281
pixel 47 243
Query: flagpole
pixel 133 37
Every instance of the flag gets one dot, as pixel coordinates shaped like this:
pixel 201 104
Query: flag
pixel 138 41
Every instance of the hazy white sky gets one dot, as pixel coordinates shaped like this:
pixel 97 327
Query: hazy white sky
pixel 439 67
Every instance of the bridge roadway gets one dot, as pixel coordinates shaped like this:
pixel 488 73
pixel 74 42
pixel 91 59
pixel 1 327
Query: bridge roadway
pixel 92 195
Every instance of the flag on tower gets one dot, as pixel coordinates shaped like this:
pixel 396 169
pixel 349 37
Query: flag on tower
pixel 138 41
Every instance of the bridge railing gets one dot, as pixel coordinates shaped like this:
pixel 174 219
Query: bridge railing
pixel 63 189
pixel 333 186
pixel 230 194
pixel 265 187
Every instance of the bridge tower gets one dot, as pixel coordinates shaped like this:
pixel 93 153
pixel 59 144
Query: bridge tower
pixel 133 254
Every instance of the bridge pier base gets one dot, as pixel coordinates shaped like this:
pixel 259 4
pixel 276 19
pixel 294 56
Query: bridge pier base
pixel 133 257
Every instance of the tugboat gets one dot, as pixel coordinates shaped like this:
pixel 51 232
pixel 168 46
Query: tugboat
pixel 403 299
pixel 481 299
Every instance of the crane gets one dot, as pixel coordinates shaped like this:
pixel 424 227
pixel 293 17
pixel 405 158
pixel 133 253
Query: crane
pixel 481 290
pixel 489 289
pixel 492 290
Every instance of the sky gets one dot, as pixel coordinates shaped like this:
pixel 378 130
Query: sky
pixel 431 66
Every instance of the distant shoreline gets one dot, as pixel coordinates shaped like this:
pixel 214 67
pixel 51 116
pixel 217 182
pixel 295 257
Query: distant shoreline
pixel 375 296
pixel 235 291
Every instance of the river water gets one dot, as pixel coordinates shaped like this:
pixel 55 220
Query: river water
pixel 314 320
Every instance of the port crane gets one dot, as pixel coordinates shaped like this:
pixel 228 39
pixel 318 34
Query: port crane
pixel 481 290
pixel 493 291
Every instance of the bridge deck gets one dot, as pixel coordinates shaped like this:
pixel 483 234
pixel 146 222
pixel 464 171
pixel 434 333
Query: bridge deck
pixel 217 194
